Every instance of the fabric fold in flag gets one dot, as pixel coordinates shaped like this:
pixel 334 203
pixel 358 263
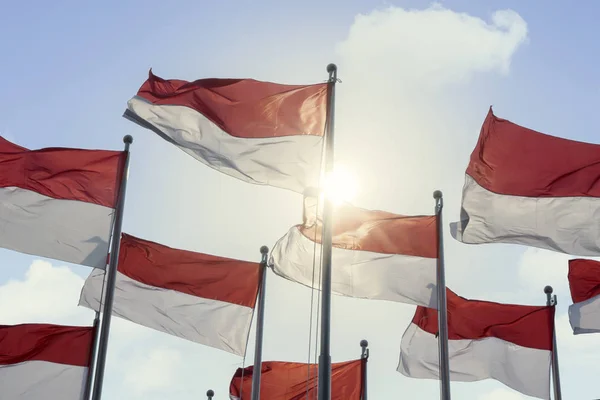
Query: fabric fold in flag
pixel 260 132
pixel 584 282
pixel 58 202
pixel 199 297
pixel 375 255
pixel 43 361
pixel 509 343
pixel 525 187
pixel 290 381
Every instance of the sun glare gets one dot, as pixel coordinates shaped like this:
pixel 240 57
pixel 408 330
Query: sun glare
pixel 340 185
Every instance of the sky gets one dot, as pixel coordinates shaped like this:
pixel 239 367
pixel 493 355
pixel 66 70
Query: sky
pixel 417 81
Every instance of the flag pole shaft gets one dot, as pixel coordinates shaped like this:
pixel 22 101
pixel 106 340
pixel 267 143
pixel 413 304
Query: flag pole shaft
pixel 90 374
pixel 551 302
pixel 111 274
pixel 325 355
pixel 260 322
pixel 364 355
pixel 442 306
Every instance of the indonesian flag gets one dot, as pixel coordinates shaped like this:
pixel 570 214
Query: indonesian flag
pixel 290 381
pixel 584 281
pixel 509 343
pixel 58 202
pixel 375 255
pixel 199 297
pixel 42 361
pixel 525 187
pixel 260 132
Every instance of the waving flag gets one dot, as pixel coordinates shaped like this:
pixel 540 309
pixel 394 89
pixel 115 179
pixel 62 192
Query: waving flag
pixel 42 361
pixel 289 381
pixel 198 297
pixel 260 132
pixel 376 254
pixel 525 187
pixel 509 343
pixel 58 203
pixel 584 281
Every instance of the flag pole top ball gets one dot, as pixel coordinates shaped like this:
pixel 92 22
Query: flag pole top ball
pixel 437 194
pixel 331 68
pixel 548 289
pixel 364 343
pixel 210 393
pixel 128 139
pixel 264 250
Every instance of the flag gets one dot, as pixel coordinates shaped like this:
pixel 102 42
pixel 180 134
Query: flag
pixel 584 281
pixel 525 187
pixel 509 343
pixel 198 297
pixel 58 202
pixel 260 132
pixel 375 254
pixel 42 361
pixel 290 381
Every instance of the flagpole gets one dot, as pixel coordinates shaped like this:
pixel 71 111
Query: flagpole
pixel 90 374
pixel 442 306
pixel 364 355
pixel 551 302
pixel 210 394
pixel 325 356
pixel 111 274
pixel 260 322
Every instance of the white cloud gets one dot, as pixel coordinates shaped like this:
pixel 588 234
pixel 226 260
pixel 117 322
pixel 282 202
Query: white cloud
pixel 503 394
pixel 153 371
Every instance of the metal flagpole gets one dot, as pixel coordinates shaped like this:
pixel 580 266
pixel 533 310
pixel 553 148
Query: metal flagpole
pixel 260 322
pixel 325 356
pixel 90 375
pixel 551 302
pixel 111 273
pixel 210 394
pixel 364 355
pixel 442 307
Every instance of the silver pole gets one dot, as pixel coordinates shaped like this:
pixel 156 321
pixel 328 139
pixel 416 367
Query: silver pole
pixel 111 273
pixel 442 306
pixel 210 394
pixel 364 355
pixel 551 302
pixel 260 322
pixel 325 356
pixel 90 376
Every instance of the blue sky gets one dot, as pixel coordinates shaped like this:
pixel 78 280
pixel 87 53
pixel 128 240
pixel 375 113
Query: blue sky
pixel 410 106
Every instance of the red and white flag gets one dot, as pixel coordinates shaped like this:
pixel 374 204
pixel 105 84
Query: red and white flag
pixel 44 362
pixel 375 255
pixel 59 203
pixel 509 343
pixel 290 381
pixel 584 281
pixel 199 297
pixel 260 132
pixel 525 187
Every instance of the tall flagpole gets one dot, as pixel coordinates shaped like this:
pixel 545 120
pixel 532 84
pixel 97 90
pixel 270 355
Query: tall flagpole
pixel 90 374
pixel 325 356
pixel 111 274
pixel 364 355
pixel 260 322
pixel 551 302
pixel 442 306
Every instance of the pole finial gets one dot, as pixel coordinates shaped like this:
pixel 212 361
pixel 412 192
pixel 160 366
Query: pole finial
pixel 437 194
pixel 264 250
pixel 210 393
pixel 128 139
pixel 548 289
pixel 331 68
pixel 364 343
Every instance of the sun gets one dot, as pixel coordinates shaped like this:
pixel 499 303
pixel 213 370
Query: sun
pixel 340 185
